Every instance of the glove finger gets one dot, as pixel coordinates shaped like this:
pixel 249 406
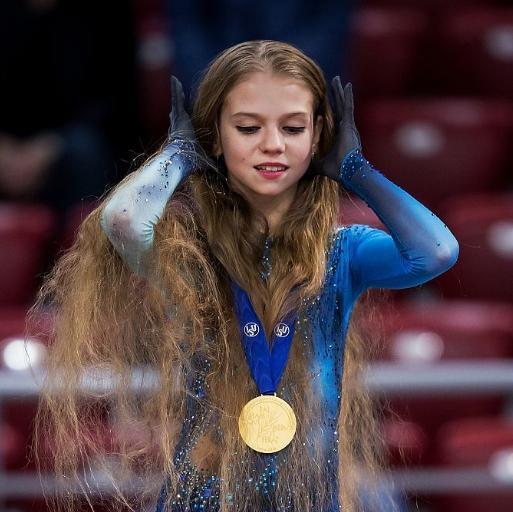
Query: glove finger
pixel 349 103
pixel 333 107
pixel 338 94
pixel 177 98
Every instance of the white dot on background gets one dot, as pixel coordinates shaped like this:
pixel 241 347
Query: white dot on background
pixel 417 347
pixel 499 42
pixel 155 50
pixel 20 355
pixel 501 465
pixel 419 139
pixel 500 238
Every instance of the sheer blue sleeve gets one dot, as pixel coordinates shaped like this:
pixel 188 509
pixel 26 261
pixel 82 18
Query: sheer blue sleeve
pixel 131 213
pixel 419 247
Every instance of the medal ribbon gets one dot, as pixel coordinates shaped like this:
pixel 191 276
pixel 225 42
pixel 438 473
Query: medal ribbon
pixel 266 366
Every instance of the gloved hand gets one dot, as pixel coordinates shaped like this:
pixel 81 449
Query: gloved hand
pixel 132 212
pixel 181 131
pixel 180 126
pixel 346 139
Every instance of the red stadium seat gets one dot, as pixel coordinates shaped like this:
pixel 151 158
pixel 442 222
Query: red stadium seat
pixel 18 417
pixel 21 348
pixel 474 441
pixel 483 225
pixel 478 45
pixel 428 334
pixel 447 330
pixel 439 148
pixel 429 412
pixel 18 413
pixel 12 445
pixel 24 231
pixel 406 441
pixel 384 48
pixel 12 322
pixel 485 443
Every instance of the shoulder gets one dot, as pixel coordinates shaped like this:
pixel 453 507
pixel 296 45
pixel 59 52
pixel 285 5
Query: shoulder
pixel 344 235
pixel 351 236
pixel 344 244
pixel 353 231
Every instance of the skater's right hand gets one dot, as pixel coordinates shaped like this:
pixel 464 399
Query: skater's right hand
pixel 180 125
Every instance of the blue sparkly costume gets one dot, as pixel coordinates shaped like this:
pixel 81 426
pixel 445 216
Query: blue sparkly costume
pixel 419 248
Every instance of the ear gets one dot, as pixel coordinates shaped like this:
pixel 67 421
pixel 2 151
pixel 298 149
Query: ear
pixel 319 122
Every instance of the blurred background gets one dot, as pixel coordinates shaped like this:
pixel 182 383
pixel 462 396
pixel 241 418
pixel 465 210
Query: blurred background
pixel 84 92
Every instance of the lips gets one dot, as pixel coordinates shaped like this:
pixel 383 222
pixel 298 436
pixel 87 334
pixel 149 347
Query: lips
pixel 271 167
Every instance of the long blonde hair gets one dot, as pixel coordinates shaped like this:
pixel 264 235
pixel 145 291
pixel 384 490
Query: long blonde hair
pixel 107 318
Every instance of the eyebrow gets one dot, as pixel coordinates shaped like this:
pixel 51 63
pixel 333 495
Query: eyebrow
pixel 257 116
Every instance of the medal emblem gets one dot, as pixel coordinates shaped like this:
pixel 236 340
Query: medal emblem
pixel 251 329
pixel 281 330
pixel 267 424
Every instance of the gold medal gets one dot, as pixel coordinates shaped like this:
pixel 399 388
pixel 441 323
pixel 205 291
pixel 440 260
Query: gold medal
pixel 267 424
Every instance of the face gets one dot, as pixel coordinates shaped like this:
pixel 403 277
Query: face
pixel 267 123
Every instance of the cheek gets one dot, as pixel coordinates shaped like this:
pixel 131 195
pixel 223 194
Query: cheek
pixel 237 149
pixel 302 149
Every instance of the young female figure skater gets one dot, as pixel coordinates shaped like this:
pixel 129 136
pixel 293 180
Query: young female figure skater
pixel 220 266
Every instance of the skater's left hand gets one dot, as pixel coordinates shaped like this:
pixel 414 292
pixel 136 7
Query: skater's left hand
pixel 346 138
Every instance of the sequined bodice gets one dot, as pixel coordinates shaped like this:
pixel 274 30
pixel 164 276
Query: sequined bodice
pixel 328 314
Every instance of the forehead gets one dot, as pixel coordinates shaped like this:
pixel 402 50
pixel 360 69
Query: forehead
pixel 268 94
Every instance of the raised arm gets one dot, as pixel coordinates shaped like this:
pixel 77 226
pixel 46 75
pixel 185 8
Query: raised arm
pixel 136 206
pixel 419 246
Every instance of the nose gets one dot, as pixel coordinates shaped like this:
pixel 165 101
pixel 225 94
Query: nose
pixel 272 141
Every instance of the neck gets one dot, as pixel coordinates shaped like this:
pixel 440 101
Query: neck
pixel 273 208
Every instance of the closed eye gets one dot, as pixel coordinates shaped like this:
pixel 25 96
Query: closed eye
pixel 295 129
pixel 253 129
pixel 247 129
